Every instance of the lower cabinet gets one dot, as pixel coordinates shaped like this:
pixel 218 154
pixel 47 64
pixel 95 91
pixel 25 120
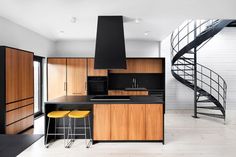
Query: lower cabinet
pixel 119 122
pixel 102 122
pixel 128 122
pixel 136 122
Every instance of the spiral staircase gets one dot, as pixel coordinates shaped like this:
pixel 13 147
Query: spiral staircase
pixel 209 87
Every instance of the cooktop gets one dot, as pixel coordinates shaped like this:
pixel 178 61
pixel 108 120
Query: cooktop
pixel 110 98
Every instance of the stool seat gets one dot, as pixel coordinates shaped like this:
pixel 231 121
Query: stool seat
pixel 58 114
pixel 78 114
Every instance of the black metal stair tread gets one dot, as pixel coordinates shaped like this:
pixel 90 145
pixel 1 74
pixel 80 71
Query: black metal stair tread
pixel 200 101
pixel 212 115
pixel 184 64
pixel 209 107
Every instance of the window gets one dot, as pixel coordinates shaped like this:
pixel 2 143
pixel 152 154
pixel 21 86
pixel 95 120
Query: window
pixel 38 69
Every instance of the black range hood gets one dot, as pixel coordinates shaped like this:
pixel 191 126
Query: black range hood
pixel 110 43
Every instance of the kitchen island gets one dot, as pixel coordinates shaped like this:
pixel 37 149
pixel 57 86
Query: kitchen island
pixel 137 119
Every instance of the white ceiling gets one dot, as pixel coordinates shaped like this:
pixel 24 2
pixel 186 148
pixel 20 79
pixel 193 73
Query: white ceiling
pixel 159 17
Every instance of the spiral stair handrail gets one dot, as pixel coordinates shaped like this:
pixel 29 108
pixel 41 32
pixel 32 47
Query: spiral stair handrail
pixel 186 41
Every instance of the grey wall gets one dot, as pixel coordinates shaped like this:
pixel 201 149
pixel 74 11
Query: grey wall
pixel 86 48
pixel 219 54
pixel 16 36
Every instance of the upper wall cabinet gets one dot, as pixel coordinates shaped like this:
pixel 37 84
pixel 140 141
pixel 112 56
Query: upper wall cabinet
pixel 56 77
pixel 142 66
pixel 76 76
pixel 92 71
pixel 66 76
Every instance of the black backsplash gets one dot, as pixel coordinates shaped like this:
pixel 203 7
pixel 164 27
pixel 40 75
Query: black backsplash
pixel 149 81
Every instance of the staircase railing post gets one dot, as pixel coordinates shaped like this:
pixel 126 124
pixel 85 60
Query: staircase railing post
pixel 195 72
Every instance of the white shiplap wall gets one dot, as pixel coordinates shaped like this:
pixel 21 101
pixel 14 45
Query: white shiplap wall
pixel 178 96
pixel 219 54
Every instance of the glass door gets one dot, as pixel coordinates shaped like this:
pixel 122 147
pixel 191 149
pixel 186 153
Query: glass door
pixel 38 86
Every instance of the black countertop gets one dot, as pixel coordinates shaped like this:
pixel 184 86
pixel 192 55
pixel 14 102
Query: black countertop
pixel 67 100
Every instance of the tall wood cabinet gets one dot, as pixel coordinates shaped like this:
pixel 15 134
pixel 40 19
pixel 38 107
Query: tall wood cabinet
pixel 17 90
pixel 67 76
pixel 56 77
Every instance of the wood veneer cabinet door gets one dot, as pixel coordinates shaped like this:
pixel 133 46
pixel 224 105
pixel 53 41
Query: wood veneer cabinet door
pixel 92 71
pixel 136 122
pixel 19 75
pixel 12 76
pixel 101 122
pixel 76 76
pixel 56 77
pixel 142 66
pixel 154 122
pixel 26 78
pixel 119 122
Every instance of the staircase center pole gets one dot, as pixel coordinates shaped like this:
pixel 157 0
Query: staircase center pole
pixel 195 72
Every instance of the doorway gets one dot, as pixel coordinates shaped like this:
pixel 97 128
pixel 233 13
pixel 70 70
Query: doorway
pixel 38 85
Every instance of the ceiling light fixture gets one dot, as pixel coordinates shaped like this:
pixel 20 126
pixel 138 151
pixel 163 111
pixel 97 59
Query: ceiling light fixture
pixel 137 20
pixel 61 32
pixel 146 33
pixel 74 20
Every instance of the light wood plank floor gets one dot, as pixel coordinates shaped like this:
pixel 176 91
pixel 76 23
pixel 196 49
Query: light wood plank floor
pixel 185 137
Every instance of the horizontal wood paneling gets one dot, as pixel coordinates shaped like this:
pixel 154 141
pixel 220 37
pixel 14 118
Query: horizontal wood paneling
pixel 15 115
pixel 19 104
pixel 141 66
pixel 20 125
pixel 123 92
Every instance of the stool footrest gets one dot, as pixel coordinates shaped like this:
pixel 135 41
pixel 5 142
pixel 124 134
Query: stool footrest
pixel 56 134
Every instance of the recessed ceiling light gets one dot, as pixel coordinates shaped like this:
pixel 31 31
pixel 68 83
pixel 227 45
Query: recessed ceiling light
pixel 146 33
pixel 61 32
pixel 74 20
pixel 137 20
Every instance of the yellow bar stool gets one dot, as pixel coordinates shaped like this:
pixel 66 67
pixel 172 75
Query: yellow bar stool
pixel 56 115
pixel 72 128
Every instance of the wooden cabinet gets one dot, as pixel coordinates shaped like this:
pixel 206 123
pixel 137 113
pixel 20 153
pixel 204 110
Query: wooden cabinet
pixel 119 122
pixel 128 122
pixel 76 76
pixel 127 93
pixel 56 77
pixel 67 76
pixel 142 66
pixel 19 75
pixel 17 92
pixel 102 122
pixel 154 122
pixel 92 71
pixel 136 122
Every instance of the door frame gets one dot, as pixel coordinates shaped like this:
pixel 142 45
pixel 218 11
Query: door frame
pixel 40 112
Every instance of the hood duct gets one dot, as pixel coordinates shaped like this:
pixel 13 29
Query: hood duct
pixel 110 43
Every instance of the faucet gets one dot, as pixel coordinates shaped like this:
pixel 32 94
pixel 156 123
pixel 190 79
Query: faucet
pixel 135 84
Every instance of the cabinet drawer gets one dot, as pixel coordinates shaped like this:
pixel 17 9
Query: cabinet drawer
pixel 20 125
pixel 19 104
pixel 15 115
